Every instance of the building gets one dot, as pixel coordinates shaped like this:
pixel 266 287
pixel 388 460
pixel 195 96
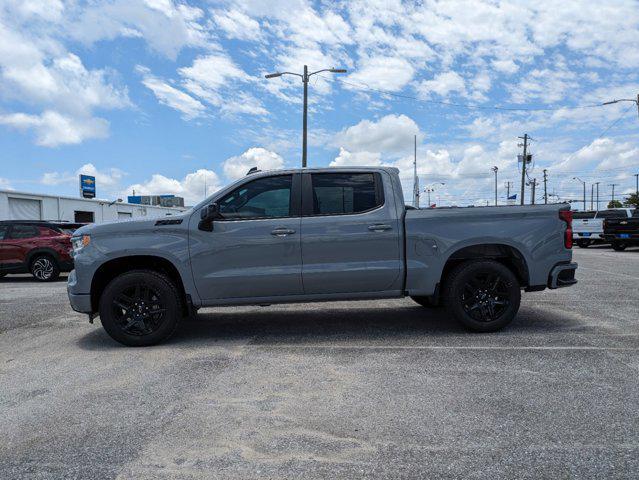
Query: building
pixel 36 206
pixel 162 200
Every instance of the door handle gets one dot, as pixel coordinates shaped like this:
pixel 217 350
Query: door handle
pixel 282 232
pixel 379 227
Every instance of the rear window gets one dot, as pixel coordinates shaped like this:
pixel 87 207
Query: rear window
pixel 612 214
pixel 345 193
pixel 582 215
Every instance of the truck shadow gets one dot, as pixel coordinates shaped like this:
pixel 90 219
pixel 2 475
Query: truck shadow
pixel 399 325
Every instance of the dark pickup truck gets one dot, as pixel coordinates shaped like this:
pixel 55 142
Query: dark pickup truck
pixel 622 232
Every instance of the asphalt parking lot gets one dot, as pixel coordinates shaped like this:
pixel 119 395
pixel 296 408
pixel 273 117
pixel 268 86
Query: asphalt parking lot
pixel 381 389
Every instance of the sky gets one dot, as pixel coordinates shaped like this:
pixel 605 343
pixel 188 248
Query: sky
pixel 163 96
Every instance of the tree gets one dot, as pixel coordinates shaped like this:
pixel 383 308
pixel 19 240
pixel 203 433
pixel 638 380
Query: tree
pixel 614 204
pixel 632 201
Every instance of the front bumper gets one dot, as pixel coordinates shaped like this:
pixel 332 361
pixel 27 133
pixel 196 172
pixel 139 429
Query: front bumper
pixel 562 275
pixel 80 302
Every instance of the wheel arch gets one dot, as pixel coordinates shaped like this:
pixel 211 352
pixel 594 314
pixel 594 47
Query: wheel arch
pixel 509 256
pixel 117 266
pixel 41 251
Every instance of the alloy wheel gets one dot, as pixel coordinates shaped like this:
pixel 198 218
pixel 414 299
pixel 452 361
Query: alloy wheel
pixel 138 310
pixel 485 297
pixel 42 268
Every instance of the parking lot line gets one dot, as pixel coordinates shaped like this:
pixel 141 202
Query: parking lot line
pixel 436 347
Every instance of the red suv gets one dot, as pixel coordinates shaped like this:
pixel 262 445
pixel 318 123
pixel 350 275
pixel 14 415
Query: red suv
pixel 42 248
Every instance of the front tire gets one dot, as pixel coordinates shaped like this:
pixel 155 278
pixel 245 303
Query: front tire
pixel 484 295
pixel 44 268
pixel 619 246
pixel 140 308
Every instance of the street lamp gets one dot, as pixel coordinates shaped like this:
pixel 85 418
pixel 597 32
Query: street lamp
pixel 584 184
pixel 429 188
pixel 305 76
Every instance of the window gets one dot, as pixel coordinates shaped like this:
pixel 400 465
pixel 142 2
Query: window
pixel 582 215
pixel 268 197
pixel 3 231
pixel 83 217
pixel 611 214
pixel 24 231
pixel 344 193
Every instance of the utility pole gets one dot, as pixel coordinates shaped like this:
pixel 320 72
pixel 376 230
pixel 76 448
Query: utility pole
pixel 584 185
pixel 592 193
pixel 494 169
pixel 416 179
pixel 508 185
pixel 545 186
pixel 613 185
pixel 597 185
pixel 523 166
pixel 305 77
pixel 636 175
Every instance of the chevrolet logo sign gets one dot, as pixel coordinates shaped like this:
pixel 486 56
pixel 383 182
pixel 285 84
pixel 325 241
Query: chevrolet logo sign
pixel 88 180
pixel 623 222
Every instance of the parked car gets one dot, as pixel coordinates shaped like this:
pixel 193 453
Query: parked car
pixel 317 235
pixel 622 232
pixel 41 248
pixel 587 226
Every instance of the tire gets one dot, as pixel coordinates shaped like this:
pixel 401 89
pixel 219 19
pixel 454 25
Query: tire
pixel 426 302
pixel 127 305
pixel 583 243
pixel 44 268
pixel 619 246
pixel 482 295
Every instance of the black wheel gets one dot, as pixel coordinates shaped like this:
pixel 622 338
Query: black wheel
pixel 483 295
pixel 140 308
pixel 619 246
pixel 426 302
pixel 44 268
pixel 583 243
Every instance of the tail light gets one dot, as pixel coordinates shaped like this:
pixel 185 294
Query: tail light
pixel 566 216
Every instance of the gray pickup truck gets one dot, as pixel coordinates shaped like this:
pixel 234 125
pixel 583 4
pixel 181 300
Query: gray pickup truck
pixel 317 235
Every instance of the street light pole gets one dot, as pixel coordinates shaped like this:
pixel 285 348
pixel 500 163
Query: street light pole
pixel 584 185
pixel 494 169
pixel 305 76
pixel 597 186
pixel 430 189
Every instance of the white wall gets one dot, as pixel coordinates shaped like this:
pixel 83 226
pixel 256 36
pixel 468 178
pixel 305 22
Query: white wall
pixel 63 208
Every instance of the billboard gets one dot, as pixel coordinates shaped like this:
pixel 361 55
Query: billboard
pixel 87 186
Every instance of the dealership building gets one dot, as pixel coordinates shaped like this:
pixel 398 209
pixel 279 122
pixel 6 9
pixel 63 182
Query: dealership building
pixel 16 205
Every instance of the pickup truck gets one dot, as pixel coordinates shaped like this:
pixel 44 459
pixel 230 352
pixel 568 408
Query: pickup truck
pixel 309 235
pixel 622 232
pixel 587 226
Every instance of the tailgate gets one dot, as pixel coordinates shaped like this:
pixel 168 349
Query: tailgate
pixel 587 225
pixel 622 225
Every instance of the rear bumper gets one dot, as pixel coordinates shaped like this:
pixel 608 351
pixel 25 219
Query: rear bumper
pixel 562 275
pixel 587 236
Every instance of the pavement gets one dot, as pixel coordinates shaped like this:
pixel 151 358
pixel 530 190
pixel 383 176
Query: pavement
pixel 377 389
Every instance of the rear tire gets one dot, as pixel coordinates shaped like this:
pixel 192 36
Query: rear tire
pixel 140 308
pixel 482 295
pixel 583 243
pixel 426 302
pixel 619 246
pixel 44 268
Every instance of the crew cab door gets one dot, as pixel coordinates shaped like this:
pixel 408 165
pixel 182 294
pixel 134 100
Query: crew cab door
pixel 254 249
pixel 350 233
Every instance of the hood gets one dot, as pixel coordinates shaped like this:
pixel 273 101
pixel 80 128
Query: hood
pixel 124 226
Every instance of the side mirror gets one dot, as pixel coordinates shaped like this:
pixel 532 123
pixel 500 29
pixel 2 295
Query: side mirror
pixel 208 213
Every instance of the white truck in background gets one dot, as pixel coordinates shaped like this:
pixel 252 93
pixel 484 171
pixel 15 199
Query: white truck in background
pixel 587 226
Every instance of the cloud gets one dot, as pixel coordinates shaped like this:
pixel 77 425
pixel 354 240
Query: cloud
pixel 192 187
pixel 442 84
pixel 385 73
pixel 236 24
pixel 346 158
pixel 236 167
pixel 53 129
pixel 5 184
pixel 601 154
pixel 172 97
pixel 108 178
pixel 391 134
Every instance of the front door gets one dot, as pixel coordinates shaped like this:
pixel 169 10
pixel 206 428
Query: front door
pixel 350 234
pixel 254 249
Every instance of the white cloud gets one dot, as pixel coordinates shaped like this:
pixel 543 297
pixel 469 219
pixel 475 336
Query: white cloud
pixel 109 178
pixel 53 129
pixel 385 73
pixel 392 134
pixel 5 184
pixel 236 167
pixel 442 84
pixel 237 24
pixel 174 98
pixel 601 154
pixel 346 158
pixel 192 187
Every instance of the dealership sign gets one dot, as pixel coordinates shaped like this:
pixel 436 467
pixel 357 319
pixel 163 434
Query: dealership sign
pixel 87 186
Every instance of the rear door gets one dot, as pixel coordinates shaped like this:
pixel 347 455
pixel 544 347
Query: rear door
pixel 18 242
pixel 254 250
pixel 350 233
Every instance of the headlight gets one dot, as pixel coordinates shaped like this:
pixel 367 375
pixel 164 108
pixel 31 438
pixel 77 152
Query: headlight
pixel 80 242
